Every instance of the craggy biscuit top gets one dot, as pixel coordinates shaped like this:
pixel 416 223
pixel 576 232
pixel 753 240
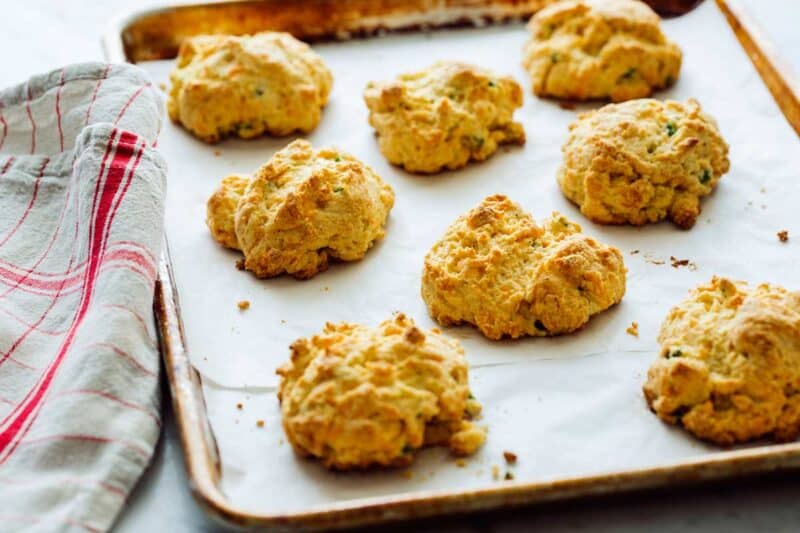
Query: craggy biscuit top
pixel 599 49
pixel 221 208
pixel 729 367
pixel 444 116
pixel 356 397
pixel 305 206
pixel 643 161
pixel 247 86
pixel 499 270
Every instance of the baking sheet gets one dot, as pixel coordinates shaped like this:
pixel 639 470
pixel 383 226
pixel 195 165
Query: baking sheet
pixel 569 406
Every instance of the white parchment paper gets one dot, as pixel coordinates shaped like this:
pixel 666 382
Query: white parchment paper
pixel 567 406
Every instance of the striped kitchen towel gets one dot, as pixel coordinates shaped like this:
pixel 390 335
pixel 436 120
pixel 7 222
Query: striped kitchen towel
pixel 81 217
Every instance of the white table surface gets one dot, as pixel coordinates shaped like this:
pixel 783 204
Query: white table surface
pixel 38 35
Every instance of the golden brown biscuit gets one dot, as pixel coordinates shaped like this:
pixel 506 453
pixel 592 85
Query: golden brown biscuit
pixel 246 86
pixel 599 49
pixel 643 161
pixel 303 208
pixel 497 269
pixel 356 397
pixel 221 208
pixel 444 116
pixel 729 368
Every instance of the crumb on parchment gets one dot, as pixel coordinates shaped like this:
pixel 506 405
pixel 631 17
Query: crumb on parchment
pixel 783 235
pixel 495 472
pixel 407 474
pixel 633 329
pixel 461 463
pixel 567 105
pixel 508 476
pixel 510 457
pixel 243 305
pixel 260 423
pixel 239 405
pixel 634 252
pixel 677 263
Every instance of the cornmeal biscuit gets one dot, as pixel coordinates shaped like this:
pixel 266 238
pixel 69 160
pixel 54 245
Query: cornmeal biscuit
pixel 221 208
pixel 729 368
pixel 599 49
pixel 356 397
pixel 497 269
pixel 643 161
pixel 247 86
pixel 306 206
pixel 444 116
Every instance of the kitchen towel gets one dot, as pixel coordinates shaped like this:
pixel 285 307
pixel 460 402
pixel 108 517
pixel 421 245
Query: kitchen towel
pixel 81 219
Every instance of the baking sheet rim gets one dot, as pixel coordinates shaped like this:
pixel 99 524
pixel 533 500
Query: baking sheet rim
pixel 203 464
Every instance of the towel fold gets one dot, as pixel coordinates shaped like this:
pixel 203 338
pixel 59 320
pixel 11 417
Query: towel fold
pixel 81 219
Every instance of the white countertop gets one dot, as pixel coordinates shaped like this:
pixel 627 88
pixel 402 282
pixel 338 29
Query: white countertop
pixel 38 35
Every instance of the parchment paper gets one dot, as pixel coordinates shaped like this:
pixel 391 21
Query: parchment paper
pixel 567 406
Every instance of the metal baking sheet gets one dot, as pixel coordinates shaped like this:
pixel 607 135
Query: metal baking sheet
pixel 571 407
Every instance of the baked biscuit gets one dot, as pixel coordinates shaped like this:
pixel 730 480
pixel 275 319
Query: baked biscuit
pixel 301 209
pixel 247 86
pixel 643 161
pixel 729 368
pixel 599 49
pixel 497 269
pixel 444 116
pixel 221 208
pixel 356 397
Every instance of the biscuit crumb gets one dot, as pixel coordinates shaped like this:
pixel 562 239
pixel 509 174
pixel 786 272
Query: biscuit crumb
pixel 243 305
pixel 407 474
pixel 239 405
pixel 260 423
pixel 633 329
pixel 677 263
pixel 461 463
pixel 634 252
pixel 217 153
pixel 510 457
pixel 162 86
pixel 567 105
pixel 240 264
pixel 508 476
pixel 495 472
pixel 783 235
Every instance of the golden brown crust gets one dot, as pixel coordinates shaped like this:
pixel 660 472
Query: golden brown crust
pixel 497 269
pixel 643 161
pixel 301 209
pixel 221 208
pixel 246 86
pixel 729 367
pixel 599 49
pixel 306 206
pixel 357 397
pixel 444 116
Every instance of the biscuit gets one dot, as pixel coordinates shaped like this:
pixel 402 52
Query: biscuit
pixel 643 161
pixel 303 208
pixel 246 86
pixel 221 208
pixel 729 367
pixel 356 397
pixel 444 116
pixel 497 269
pixel 599 49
